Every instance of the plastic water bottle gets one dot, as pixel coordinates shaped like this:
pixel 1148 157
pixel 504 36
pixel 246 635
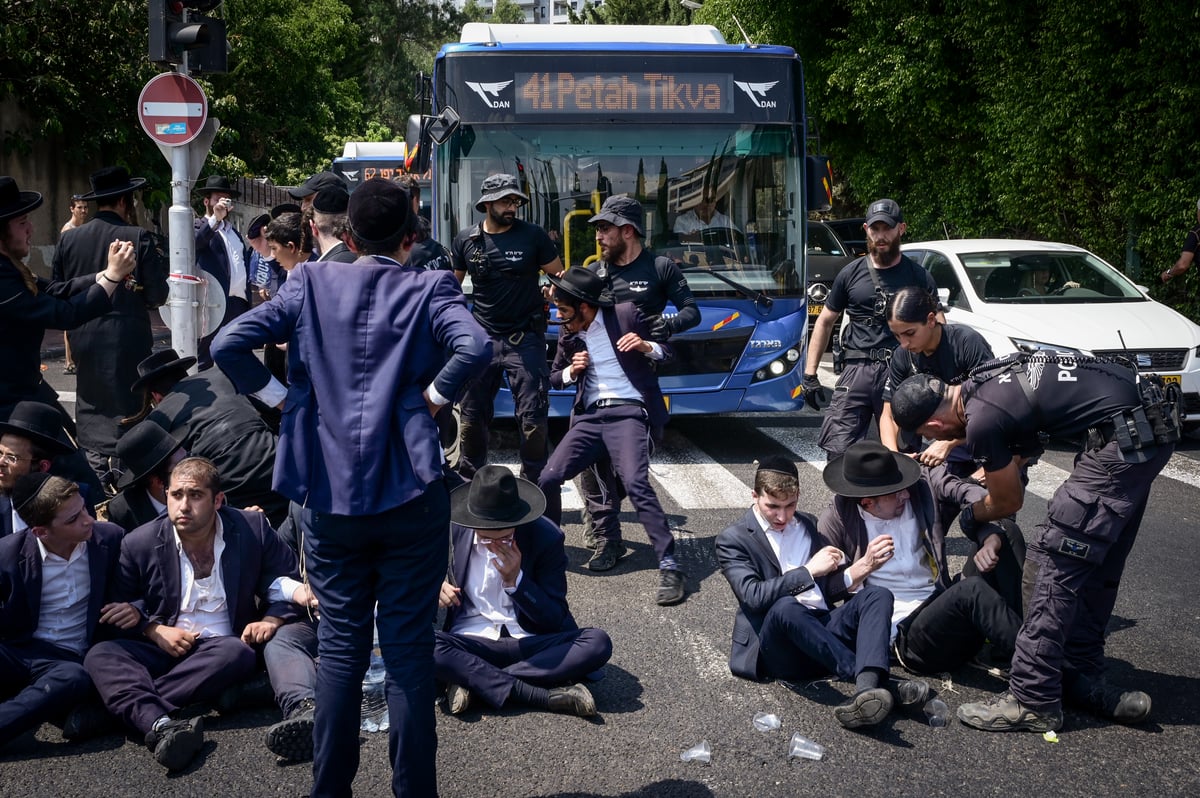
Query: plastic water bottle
pixel 937 712
pixel 374 698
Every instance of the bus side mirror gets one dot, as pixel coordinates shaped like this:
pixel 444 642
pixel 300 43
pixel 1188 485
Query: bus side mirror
pixel 819 176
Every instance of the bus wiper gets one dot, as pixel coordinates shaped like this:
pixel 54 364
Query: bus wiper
pixel 762 302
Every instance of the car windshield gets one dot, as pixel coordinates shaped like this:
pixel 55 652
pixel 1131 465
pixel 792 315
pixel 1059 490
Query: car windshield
pixel 1034 277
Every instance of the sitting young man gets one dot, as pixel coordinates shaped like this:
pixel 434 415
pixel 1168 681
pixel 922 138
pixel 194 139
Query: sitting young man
pixel 198 577
pixel 786 578
pixel 510 638
pixel 148 453
pixel 54 578
pixel 884 518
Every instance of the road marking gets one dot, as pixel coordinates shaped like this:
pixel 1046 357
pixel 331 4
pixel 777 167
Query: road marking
pixel 66 396
pixel 693 479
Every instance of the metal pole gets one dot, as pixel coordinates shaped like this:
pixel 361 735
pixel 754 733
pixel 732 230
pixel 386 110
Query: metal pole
pixel 183 301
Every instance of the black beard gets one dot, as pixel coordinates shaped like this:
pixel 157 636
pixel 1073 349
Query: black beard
pixel 883 254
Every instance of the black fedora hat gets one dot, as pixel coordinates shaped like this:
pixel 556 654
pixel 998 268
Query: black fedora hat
pixel 111 181
pixel 870 469
pixel 164 361
pixel 584 284
pixel 143 449
pixel 496 499
pixel 15 202
pixel 41 424
pixel 218 183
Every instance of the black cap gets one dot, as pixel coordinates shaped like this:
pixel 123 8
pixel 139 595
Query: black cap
pixel 621 211
pixel 315 183
pixel 26 488
pixel 332 199
pixel 884 210
pixel 778 464
pixel 916 399
pixel 284 207
pixel 255 228
pixel 379 210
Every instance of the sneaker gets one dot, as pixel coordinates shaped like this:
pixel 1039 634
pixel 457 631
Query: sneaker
pixel 1005 713
pixel 458 698
pixel 606 557
pixel 292 737
pixel 572 700
pixel 85 721
pixel 69 368
pixel 670 587
pixel 867 708
pixel 176 742
pixel 1098 698
pixel 912 692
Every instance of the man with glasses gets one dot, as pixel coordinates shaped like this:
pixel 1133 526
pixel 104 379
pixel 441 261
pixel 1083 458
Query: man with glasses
pixel 504 256
pixel 29 441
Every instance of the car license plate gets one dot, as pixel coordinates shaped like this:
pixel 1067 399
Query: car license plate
pixel 815 309
pixel 1172 379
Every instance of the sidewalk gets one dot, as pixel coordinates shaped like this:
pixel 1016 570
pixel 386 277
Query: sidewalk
pixel 52 341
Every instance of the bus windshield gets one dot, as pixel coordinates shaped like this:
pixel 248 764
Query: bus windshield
pixel 717 198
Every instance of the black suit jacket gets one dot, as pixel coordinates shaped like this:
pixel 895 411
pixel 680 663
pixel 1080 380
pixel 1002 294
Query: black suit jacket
pixel 338 253
pixel 212 257
pixel 254 557
pixel 621 318
pixel 541 598
pixel 21 580
pixel 752 570
pixel 131 508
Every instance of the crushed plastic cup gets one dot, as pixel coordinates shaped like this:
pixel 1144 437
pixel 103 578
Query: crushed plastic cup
pixel 766 721
pixel 700 752
pixel 937 712
pixel 803 748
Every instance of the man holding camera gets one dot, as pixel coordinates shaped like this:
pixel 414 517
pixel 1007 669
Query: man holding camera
pixel 222 253
pixel 107 350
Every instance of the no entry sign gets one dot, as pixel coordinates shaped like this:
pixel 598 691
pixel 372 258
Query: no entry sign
pixel 172 109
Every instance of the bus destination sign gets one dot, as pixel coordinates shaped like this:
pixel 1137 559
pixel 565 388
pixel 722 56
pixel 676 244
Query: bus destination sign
pixel 648 93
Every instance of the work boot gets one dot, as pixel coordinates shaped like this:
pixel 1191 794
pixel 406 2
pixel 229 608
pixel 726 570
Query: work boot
pixel 670 587
pixel 606 557
pixel 574 699
pixel 176 742
pixel 866 708
pixel 1006 713
pixel 1094 695
pixel 292 737
pixel 458 698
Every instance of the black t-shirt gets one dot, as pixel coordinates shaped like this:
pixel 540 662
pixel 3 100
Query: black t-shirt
pixel 649 283
pixel 1069 397
pixel 1192 242
pixel 960 350
pixel 853 292
pixel 504 270
pixel 430 256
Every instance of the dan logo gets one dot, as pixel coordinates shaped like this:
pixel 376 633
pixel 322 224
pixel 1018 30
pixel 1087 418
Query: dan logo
pixel 757 92
pixel 490 93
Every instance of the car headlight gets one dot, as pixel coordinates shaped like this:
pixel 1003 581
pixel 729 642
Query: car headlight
pixel 1027 346
pixel 779 366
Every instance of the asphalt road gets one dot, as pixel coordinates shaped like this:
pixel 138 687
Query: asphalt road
pixel 668 686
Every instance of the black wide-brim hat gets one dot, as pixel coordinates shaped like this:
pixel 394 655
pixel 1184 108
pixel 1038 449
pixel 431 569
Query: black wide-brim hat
pixel 41 424
pixel 496 499
pixel 584 284
pixel 870 469
pixel 218 183
pixel 143 449
pixel 162 362
pixel 14 202
pixel 112 181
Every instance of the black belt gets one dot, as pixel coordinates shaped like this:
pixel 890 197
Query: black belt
pixel 615 403
pixel 867 355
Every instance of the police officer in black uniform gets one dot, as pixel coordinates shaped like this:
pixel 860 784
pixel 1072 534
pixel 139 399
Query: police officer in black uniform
pixel 504 256
pixel 1075 562
pixel 861 289
pixel 633 274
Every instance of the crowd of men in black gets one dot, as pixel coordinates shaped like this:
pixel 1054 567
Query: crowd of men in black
pixel 227 481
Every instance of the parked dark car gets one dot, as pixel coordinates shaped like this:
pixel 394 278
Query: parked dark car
pixel 826 257
pixel 851 232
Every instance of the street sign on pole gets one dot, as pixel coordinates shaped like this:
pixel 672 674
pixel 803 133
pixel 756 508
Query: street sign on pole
pixel 172 109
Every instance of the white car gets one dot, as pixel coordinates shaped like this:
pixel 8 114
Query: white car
pixel 1030 295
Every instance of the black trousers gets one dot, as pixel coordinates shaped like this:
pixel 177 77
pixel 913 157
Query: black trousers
pixel 948 630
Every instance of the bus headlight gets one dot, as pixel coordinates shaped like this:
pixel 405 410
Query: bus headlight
pixel 779 366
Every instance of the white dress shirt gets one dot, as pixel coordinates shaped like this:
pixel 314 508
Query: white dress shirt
pixel 490 606
pixel 203 607
pixel 793 549
pixel 66 588
pixel 910 573
pixel 604 378
pixel 236 253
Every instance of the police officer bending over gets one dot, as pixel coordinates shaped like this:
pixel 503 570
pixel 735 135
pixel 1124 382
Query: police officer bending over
pixel 1075 562
pixel 861 289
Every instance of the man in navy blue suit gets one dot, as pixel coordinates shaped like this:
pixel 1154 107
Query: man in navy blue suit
pixel 221 251
pixel 55 577
pixel 509 636
pixel 358 447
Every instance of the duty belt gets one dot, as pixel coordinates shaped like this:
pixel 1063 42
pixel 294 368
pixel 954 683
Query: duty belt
pixel 880 355
pixel 615 403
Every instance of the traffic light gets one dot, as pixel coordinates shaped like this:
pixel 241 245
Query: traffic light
pixel 176 28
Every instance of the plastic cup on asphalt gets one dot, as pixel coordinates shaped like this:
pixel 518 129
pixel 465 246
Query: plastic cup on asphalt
pixel 766 721
pixel 937 712
pixel 800 747
pixel 700 752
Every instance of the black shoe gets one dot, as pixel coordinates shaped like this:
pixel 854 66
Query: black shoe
pixel 573 700
pixel 670 587
pixel 292 737
pixel 867 708
pixel 1094 695
pixel 912 692
pixel 176 742
pixel 85 721
pixel 254 693
pixel 606 557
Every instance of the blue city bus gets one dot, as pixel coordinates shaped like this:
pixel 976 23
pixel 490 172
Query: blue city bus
pixel 665 115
